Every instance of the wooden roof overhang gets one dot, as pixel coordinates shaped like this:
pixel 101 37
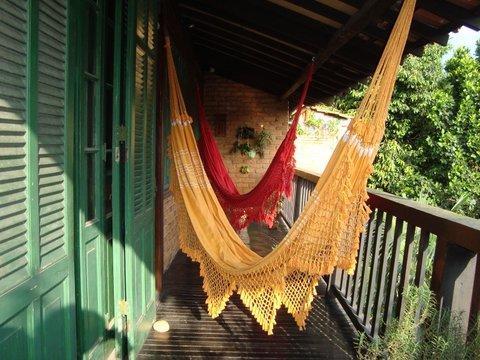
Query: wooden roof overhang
pixel 268 44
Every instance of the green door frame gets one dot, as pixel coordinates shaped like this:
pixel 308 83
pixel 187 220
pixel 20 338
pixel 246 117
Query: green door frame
pixel 118 171
pixel 141 225
pixel 127 339
pixel 92 277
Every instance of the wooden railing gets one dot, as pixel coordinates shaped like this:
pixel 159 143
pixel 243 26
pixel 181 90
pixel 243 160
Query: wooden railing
pixel 404 243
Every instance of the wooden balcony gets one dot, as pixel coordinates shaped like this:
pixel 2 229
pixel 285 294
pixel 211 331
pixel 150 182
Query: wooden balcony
pixel 235 334
pixel 404 243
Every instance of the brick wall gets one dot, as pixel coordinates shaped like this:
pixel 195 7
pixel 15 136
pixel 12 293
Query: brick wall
pixel 244 105
pixel 170 230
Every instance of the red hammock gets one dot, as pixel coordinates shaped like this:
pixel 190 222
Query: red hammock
pixel 261 203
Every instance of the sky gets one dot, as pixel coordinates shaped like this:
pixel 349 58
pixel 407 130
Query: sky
pixel 463 37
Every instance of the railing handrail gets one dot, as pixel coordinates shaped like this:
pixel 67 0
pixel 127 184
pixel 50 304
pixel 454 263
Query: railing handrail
pixel 457 229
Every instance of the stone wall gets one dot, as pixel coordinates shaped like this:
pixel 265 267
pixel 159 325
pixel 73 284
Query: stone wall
pixel 243 105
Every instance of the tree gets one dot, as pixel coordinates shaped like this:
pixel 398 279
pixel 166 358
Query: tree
pixel 431 147
pixel 477 50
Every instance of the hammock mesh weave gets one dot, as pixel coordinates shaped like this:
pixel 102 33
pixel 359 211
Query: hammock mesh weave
pixel 261 204
pixel 325 235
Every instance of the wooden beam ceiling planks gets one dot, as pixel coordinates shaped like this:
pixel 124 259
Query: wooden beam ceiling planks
pixel 209 27
pixel 340 6
pixel 452 13
pixel 249 55
pixel 268 44
pixel 271 21
pixel 304 9
pixel 218 38
pixel 242 71
pixel 370 11
pixel 279 39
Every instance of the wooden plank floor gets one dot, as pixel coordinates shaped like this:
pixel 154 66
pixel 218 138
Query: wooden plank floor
pixel 235 334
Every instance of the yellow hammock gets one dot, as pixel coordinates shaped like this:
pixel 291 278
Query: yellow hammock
pixel 324 236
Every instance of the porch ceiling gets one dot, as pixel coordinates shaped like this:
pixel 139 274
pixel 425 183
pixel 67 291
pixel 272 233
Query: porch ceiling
pixel 268 44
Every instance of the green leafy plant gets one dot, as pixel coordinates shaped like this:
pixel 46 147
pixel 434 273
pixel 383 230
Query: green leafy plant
pixel 431 148
pixel 245 132
pixel 243 148
pixel 250 143
pixel 316 126
pixel 262 140
pixel 422 333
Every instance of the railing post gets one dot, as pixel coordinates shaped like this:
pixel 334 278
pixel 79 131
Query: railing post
pixel 475 308
pixel 438 267
pixel 375 291
pixel 297 203
pixel 456 289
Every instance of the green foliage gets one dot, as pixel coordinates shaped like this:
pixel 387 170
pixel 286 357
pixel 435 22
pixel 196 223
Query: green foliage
pixel 260 140
pixel 422 333
pixel 316 126
pixel 431 148
pixel 245 132
pixel 477 50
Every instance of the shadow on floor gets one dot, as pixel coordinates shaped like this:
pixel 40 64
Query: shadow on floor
pixel 235 334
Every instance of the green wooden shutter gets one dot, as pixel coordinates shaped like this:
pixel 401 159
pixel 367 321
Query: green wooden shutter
pixel 52 41
pixel 37 316
pixel 14 266
pixel 140 171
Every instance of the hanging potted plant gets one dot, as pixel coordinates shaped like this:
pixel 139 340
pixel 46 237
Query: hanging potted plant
pixel 250 143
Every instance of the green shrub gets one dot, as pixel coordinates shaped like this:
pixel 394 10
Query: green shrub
pixel 422 333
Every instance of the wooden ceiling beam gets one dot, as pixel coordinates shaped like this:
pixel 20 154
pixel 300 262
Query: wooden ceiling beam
pixel 224 31
pixel 323 9
pixel 218 38
pixel 358 65
pixel 309 10
pixel 245 59
pixel 244 72
pixel 230 65
pixel 249 52
pixel 452 13
pixel 340 6
pixel 325 83
pixel 249 29
pixel 370 11
pixel 262 20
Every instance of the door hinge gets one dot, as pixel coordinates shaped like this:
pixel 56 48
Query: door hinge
pixel 122 133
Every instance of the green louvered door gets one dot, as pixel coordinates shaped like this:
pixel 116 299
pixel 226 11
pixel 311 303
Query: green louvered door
pixel 140 172
pixel 37 313
pixel 93 187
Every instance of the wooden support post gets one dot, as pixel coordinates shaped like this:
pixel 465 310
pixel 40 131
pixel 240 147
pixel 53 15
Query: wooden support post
pixel 457 286
pixel 370 11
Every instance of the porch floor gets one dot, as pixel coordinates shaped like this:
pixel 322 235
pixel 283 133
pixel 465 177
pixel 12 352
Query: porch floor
pixel 235 334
